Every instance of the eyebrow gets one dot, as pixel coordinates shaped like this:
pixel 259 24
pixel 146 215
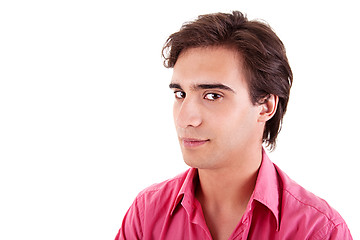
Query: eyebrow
pixel 175 85
pixel 204 86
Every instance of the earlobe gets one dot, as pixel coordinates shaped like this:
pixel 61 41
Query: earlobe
pixel 268 108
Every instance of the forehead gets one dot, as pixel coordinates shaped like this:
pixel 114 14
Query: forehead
pixel 209 65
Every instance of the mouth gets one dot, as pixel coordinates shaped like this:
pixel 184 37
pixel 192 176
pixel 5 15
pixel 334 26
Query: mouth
pixel 193 142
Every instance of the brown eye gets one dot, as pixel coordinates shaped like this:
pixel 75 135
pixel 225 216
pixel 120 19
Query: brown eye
pixel 179 95
pixel 212 96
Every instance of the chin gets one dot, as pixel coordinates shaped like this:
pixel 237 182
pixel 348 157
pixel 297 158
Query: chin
pixel 191 162
pixel 198 163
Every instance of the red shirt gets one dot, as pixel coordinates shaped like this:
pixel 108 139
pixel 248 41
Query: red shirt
pixel 278 209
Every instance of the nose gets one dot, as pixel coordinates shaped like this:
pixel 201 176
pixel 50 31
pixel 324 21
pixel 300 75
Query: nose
pixel 187 113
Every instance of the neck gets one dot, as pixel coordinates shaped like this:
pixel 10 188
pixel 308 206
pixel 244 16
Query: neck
pixel 229 188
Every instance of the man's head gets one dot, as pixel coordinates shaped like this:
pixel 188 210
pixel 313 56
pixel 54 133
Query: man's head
pixel 260 54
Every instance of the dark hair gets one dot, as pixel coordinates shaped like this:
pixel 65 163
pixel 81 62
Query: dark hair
pixel 263 53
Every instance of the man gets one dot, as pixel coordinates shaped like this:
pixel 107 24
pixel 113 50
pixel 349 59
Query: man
pixel 231 81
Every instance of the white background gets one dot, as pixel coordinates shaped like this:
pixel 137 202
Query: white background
pixel 86 113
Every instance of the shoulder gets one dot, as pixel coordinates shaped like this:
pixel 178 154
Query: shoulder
pixel 150 207
pixel 306 210
pixel 305 199
pixel 167 188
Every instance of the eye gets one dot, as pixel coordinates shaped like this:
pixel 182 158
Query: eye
pixel 179 94
pixel 212 96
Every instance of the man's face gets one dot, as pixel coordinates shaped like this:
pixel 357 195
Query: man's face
pixel 215 120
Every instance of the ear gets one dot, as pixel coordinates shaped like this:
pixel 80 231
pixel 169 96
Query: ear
pixel 268 108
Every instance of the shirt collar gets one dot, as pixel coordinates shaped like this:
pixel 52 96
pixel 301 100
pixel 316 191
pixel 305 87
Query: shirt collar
pixel 187 188
pixel 266 188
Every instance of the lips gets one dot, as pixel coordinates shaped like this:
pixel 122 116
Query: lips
pixel 193 142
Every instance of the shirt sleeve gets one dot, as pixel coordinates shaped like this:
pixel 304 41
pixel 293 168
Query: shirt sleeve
pixel 340 232
pixel 132 224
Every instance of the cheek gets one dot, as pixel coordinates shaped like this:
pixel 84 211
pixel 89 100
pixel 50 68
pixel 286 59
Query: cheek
pixel 236 124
